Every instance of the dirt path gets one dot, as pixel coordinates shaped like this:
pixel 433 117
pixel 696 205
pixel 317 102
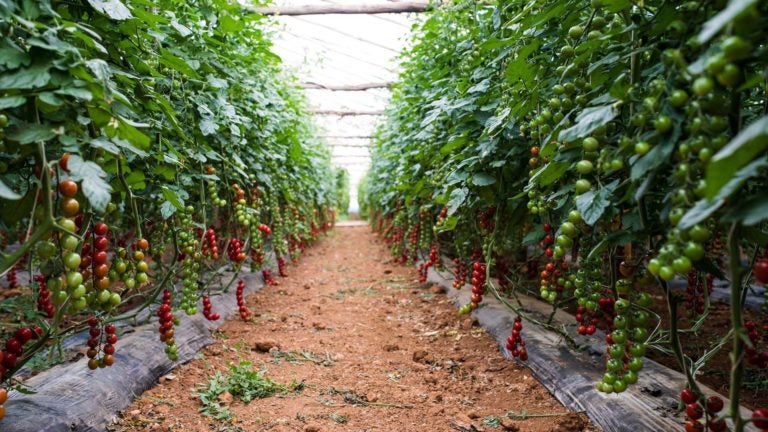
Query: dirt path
pixel 372 349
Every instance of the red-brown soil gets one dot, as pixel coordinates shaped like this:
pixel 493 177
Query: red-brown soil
pixel 375 350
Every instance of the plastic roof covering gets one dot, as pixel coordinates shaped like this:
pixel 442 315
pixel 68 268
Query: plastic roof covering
pixel 342 50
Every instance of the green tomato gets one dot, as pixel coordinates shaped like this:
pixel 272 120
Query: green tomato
pixel 630 377
pixel 142 278
pixel 694 250
pixel 621 305
pixel 574 216
pixel 584 167
pixel 699 233
pixel 69 242
pixel 675 215
pixel 617 351
pixel 46 249
pixel 640 334
pixel 678 98
pixel 682 265
pixel 617 164
pixel 130 282
pixel 613 365
pixel 666 273
pixel 620 322
pixel 564 241
pixel 638 350
pixel 702 86
pixel 643 300
pixel 715 64
pixel 619 337
pixel 623 286
pixel 74 279
pixel 67 224
pixel 609 378
pixel 635 365
pixel 72 261
pixel 79 304
pixel 582 186
pixel 575 32
pixel 590 144
pixel 115 299
pixel 662 124
pixel 78 292
pixel 736 48
pixel 730 76
pixel 569 229
pixel 654 265
pixel 619 386
pixel 642 147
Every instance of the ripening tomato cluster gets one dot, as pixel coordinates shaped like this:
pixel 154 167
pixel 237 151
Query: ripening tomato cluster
pixel 100 343
pixel 210 247
pixel 207 310
pixel 44 303
pixel 459 273
pixel 268 279
pixel 14 348
pixel 281 266
pixel 245 313
pixel 478 283
pixel 433 260
pixel 755 356
pixel 698 416
pixel 235 251
pixel 515 342
pixel 167 321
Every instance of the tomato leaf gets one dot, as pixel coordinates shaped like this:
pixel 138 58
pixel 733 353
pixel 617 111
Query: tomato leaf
pixel 592 204
pixel 32 77
pixel 31 133
pixel 722 19
pixel 588 120
pixel 457 198
pixel 8 193
pixel 749 143
pixel 112 8
pixel 93 181
pixel 483 179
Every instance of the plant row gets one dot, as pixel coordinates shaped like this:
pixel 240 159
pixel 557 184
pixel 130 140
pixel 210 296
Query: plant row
pixel 598 154
pixel 145 147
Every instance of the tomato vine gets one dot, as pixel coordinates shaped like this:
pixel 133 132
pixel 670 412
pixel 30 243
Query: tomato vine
pixel 609 150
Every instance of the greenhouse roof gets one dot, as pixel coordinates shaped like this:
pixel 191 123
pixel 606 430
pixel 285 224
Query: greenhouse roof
pixel 331 53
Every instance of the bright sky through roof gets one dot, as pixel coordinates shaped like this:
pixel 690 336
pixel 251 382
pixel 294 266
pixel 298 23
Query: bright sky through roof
pixel 342 50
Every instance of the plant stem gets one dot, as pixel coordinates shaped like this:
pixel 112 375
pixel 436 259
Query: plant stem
pixel 737 355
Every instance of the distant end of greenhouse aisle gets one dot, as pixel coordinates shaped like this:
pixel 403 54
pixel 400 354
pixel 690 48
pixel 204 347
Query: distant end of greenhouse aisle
pixel 147 148
pixel 607 157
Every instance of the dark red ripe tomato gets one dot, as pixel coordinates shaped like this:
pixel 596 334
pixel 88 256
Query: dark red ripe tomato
pixel 693 426
pixel 93 322
pixel 9 360
pixel 24 335
pixel 714 404
pixel 761 271
pixel 101 229
pixel 694 411
pixel 101 243
pixel 716 425
pixel 13 345
pixel 64 162
pixel 110 329
pixel 760 418
pixel 688 396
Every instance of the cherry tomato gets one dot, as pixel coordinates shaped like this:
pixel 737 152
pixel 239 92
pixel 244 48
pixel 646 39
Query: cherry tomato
pixel 67 188
pixel 69 207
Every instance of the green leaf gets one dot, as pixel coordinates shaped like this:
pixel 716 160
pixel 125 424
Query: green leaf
pixel 32 77
pixel 592 204
pixel 93 183
pixel 482 179
pixel 750 212
pixel 8 193
pixel 50 99
pixel 457 198
pixel 168 59
pixel 11 56
pixel 172 197
pixel 549 174
pixel 32 133
pixel 658 155
pixel 112 8
pixel 105 144
pixel 588 120
pixel 11 102
pixel 706 207
pixel 748 144
pixel 76 92
pixel 717 22
pixel 227 24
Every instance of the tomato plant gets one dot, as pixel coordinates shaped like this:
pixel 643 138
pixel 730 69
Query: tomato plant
pixel 138 141
pixel 608 150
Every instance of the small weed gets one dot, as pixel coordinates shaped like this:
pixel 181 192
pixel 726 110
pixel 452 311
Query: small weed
pixel 243 383
pixel 303 356
pixel 492 422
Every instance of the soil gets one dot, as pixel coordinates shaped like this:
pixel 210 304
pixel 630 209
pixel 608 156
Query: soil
pixel 372 349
